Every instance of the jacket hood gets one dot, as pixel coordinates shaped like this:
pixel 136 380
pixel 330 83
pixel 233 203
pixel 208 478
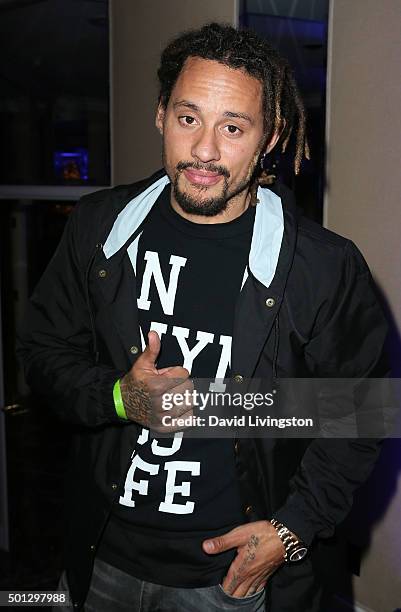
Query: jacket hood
pixel 267 237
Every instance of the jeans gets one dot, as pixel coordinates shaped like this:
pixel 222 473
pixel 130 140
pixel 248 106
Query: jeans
pixel 112 590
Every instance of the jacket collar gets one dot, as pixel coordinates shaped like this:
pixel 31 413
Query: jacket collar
pixel 266 238
pixel 255 312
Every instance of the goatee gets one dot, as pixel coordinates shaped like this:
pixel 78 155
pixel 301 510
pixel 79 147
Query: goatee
pixel 207 207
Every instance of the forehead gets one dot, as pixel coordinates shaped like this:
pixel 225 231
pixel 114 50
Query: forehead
pixel 214 85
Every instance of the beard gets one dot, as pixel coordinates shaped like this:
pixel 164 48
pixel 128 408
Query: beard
pixel 208 206
pixel 198 205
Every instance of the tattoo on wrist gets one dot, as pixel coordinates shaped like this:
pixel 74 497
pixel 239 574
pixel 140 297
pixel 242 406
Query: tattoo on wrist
pixel 137 401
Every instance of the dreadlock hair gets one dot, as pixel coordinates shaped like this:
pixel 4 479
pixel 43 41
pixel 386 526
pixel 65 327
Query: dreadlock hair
pixel 283 108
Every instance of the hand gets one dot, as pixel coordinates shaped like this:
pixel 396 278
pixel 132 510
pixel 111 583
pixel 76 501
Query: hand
pixel 142 389
pixel 260 553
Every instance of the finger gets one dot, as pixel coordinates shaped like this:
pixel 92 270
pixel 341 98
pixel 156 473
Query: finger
pixel 240 583
pixel 183 419
pixel 241 590
pixel 243 569
pixel 151 352
pixel 168 425
pixel 182 399
pixel 256 587
pixel 245 588
pixel 166 384
pixel 235 575
pixel 231 539
pixel 259 586
pixel 163 370
pixel 237 584
pixel 168 418
pixel 176 372
pixel 177 402
pixel 177 382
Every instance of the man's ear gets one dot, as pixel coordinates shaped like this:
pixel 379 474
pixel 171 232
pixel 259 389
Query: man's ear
pixel 160 115
pixel 276 135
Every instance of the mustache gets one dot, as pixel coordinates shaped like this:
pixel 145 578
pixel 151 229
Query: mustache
pixel 206 167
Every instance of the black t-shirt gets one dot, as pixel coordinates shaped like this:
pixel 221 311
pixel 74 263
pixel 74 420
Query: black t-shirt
pixel 179 491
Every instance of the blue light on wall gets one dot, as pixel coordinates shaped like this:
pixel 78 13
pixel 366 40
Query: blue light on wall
pixel 71 166
pixel 302 42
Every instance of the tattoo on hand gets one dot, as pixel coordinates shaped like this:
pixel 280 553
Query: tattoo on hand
pixel 137 401
pixel 253 542
pixel 233 584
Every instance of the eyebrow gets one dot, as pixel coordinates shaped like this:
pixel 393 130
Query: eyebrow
pixel 232 114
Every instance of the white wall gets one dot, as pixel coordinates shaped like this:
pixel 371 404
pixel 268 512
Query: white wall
pixel 363 203
pixel 140 30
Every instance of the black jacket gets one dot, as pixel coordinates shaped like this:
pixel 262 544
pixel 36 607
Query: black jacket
pixel 325 322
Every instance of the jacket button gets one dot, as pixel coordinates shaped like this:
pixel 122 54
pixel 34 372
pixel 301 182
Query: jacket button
pixel 270 302
pixel 248 509
pixel 114 486
pixel 102 273
pixel 238 378
pixel 93 547
pixel 134 349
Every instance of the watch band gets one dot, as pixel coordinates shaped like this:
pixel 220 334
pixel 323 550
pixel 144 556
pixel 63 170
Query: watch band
pixel 295 550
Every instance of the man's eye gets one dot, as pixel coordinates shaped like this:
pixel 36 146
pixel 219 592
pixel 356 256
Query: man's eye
pixel 187 120
pixel 233 129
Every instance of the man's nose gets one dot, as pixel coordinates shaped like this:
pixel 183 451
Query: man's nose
pixel 205 147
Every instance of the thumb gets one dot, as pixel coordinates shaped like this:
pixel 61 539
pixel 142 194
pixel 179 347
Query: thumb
pixel 152 350
pixel 220 543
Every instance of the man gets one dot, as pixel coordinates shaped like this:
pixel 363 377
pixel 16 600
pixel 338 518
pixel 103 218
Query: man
pixel 199 272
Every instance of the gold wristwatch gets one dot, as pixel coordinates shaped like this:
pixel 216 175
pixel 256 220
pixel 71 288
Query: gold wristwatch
pixel 295 549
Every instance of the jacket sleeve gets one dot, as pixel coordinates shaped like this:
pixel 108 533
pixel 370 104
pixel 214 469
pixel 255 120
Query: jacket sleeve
pixel 55 343
pixel 348 343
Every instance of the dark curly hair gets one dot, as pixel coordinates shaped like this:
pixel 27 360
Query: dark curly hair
pixel 243 49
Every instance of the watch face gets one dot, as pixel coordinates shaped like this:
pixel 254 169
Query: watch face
pixel 298 554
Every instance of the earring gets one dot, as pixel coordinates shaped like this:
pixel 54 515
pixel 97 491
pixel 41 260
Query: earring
pixel 262 161
pixel 268 172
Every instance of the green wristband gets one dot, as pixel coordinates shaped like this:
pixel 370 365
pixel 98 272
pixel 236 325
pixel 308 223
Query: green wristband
pixel 118 401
